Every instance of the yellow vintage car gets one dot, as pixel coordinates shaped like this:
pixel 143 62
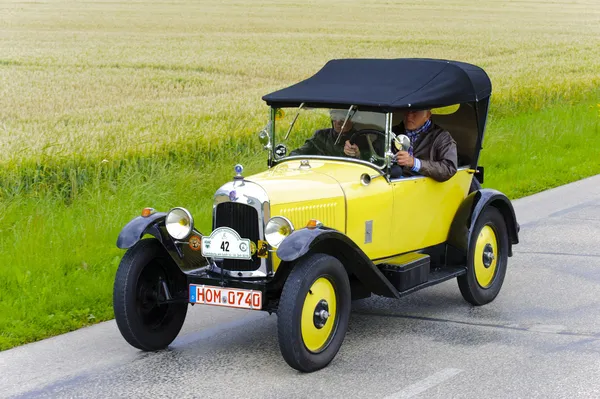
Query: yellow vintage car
pixel 332 218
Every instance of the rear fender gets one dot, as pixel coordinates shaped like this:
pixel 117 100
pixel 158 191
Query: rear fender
pixel 332 242
pixel 464 221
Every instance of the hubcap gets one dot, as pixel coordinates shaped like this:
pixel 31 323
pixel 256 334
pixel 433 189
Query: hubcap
pixel 485 261
pixel 321 314
pixel 488 255
pixel 318 315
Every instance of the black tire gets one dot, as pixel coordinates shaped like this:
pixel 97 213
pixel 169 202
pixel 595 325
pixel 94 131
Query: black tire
pixel 481 284
pixel 315 270
pixel 144 323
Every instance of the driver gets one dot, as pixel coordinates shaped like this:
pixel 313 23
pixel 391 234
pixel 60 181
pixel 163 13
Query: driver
pixel 323 142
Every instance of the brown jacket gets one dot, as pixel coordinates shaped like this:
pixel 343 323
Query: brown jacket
pixel 437 151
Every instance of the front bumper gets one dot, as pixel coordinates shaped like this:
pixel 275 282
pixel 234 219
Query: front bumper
pixel 218 280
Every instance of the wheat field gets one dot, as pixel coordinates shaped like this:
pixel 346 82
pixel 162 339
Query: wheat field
pixel 103 78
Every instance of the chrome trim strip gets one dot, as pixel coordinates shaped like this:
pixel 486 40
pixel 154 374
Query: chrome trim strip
pixel 388 141
pixel 271 128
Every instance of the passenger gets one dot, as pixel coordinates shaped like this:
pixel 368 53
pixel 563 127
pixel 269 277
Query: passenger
pixel 323 142
pixel 432 151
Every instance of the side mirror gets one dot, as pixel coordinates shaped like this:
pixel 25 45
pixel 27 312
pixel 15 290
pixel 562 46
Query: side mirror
pixel 401 142
pixel 264 139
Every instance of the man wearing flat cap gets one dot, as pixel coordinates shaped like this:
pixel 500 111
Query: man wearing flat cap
pixel 432 149
pixel 326 142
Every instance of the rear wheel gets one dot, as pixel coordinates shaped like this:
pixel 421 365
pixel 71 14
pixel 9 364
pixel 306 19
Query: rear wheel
pixel 313 312
pixel 486 260
pixel 143 321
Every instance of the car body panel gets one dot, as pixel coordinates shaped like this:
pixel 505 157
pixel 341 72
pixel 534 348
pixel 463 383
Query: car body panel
pixel 383 218
pixel 424 209
pixel 330 212
pixel 303 241
pixel 288 182
pixel 331 192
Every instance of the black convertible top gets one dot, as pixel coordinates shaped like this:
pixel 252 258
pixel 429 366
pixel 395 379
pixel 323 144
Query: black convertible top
pixel 387 85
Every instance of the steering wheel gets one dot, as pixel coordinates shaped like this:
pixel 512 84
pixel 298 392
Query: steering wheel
pixel 374 158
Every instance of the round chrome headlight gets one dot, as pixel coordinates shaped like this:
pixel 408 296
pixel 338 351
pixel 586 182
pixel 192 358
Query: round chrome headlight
pixel 179 223
pixel 277 229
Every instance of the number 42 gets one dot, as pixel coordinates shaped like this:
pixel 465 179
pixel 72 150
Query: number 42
pixel 225 246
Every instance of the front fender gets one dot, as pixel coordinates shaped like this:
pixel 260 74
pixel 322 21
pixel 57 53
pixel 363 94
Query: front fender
pixel 335 243
pixel 186 258
pixel 135 229
pixel 464 221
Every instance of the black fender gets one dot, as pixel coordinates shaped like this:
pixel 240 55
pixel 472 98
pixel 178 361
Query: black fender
pixel 137 227
pixel 154 225
pixel 335 243
pixel 461 230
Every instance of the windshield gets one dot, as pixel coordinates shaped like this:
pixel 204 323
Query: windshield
pixel 330 132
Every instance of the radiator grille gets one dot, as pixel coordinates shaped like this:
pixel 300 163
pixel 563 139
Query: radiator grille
pixel 243 219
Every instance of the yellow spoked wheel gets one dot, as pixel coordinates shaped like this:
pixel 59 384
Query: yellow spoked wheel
pixel 318 315
pixel 313 312
pixel 487 257
pixel 485 262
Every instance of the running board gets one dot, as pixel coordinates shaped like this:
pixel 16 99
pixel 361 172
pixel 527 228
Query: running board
pixel 436 276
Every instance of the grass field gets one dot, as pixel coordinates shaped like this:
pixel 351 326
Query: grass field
pixel 110 106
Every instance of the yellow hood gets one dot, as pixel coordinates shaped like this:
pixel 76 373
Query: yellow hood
pixel 304 193
pixel 289 183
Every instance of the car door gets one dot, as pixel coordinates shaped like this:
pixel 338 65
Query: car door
pixel 369 210
pixel 424 209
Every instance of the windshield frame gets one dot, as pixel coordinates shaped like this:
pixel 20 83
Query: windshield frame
pixel 388 154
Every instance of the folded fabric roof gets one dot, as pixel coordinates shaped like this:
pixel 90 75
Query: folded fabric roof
pixel 387 85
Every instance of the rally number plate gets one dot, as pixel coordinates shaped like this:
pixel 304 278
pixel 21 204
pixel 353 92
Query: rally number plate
pixel 230 297
pixel 226 243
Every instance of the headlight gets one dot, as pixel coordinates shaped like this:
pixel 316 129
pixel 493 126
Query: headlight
pixel 179 223
pixel 277 229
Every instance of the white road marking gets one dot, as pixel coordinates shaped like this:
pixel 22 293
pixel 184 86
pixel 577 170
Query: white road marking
pixel 424 384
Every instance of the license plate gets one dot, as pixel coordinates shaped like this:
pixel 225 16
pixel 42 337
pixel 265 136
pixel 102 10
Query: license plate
pixel 226 243
pixel 230 297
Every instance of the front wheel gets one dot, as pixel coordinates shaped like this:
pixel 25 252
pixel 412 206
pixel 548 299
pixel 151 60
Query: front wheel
pixel 145 321
pixel 486 259
pixel 313 312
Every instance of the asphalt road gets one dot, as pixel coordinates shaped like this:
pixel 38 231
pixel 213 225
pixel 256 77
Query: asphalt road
pixel 540 338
